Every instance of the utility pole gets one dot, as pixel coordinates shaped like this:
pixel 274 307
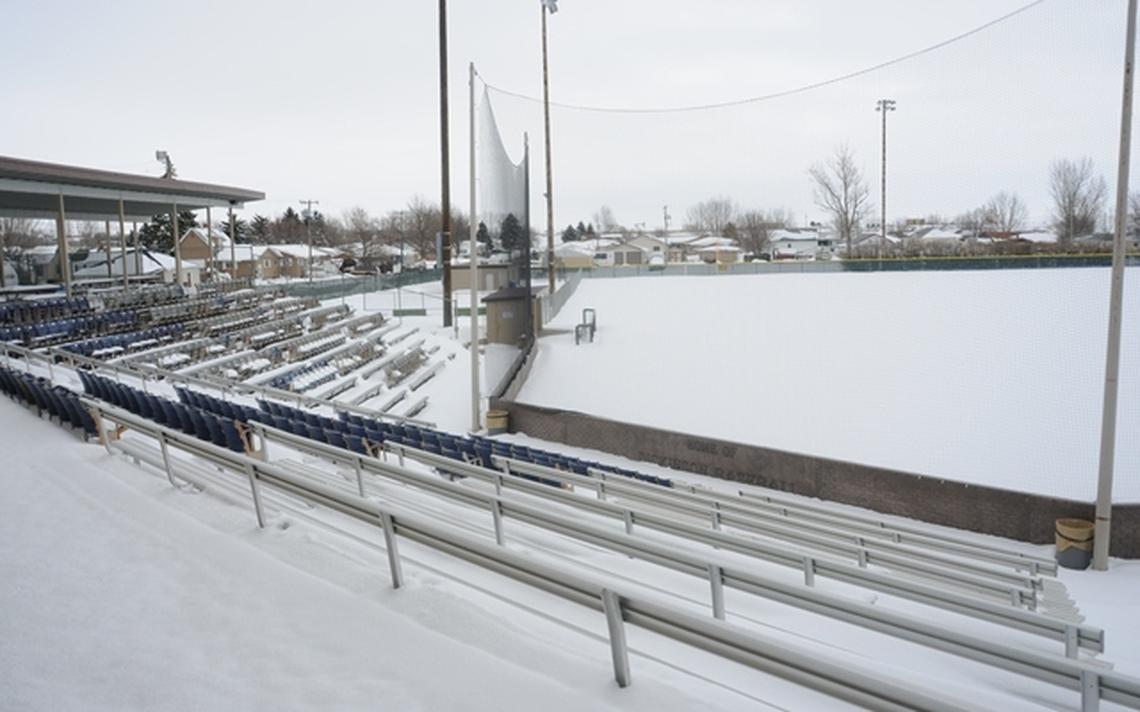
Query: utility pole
pixel 445 167
pixel 473 265
pixel 883 106
pixel 1102 533
pixel 548 6
pixel 665 210
pixel 308 214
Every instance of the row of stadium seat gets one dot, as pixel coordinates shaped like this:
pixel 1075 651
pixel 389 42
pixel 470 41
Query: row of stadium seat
pixel 33 310
pixel 476 450
pixel 284 381
pixel 91 346
pixel 67 329
pixel 202 424
pixel 59 402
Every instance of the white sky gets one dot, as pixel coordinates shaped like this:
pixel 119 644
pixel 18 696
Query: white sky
pixel 337 101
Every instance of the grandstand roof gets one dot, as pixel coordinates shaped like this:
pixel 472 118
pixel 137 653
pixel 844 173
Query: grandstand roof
pixel 33 189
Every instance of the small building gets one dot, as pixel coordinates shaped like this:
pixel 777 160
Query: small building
pixel 574 255
pixel 194 244
pixel 720 254
pixel 491 276
pixel 621 255
pixel 506 314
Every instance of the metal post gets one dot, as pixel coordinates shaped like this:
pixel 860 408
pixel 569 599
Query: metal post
pixel 473 261
pixel 809 571
pixel 61 236
pixel 138 255
pixel 107 247
pixel 166 459
pixel 123 243
pixel 174 230
pixel 1103 531
pixel 883 106
pixel 497 518
pixel 611 607
pixel 1090 691
pixel 393 552
pixel 549 180
pixel 309 231
pixel 256 495
pixel 529 241
pixel 445 168
pixel 359 475
pixel 209 242
pixel 233 246
pixel 716 580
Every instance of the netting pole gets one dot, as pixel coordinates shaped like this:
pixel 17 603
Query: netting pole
pixel 549 181
pixel 1112 364
pixel 473 261
pixel 445 168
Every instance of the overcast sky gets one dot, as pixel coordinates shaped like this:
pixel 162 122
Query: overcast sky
pixel 338 100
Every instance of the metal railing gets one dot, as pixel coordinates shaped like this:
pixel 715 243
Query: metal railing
pixel 748 647
pixel 815 671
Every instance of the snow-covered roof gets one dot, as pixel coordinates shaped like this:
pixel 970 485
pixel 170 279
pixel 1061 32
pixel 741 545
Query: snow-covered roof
pixel 152 263
pixel 720 248
pixel 785 235
pixel 1039 236
pixel 712 241
pixel 221 239
pixel 937 233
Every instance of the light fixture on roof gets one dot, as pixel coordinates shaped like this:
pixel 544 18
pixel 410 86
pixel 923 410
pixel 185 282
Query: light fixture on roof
pixel 164 158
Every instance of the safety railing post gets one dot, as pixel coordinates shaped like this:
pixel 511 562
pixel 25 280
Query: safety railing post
pixel 1071 641
pixel 1090 691
pixel 611 606
pixel 390 545
pixel 716 580
pixel 627 515
pixel 809 571
pixel 359 475
pixel 166 459
pixel 497 518
pixel 256 495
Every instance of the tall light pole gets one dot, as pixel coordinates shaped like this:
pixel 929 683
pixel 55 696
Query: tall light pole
pixel 883 106
pixel 548 6
pixel 308 214
pixel 445 167
pixel 1103 531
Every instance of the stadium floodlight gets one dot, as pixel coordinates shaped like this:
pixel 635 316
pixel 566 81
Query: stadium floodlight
pixel 550 5
pixel 164 158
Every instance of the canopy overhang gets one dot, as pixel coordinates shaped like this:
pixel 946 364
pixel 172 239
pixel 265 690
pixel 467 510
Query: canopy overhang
pixel 33 189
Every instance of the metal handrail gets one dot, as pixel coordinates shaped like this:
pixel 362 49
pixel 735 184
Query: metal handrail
pixel 1087 637
pixel 790 662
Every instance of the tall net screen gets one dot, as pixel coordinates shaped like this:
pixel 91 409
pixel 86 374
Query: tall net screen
pixel 501 182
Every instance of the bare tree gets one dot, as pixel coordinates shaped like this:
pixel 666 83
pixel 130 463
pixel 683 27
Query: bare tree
pixel 1134 215
pixel 754 228
pixel 1078 198
pixel 972 221
pixel 711 215
pixel 1005 213
pixel 605 220
pixel 841 191
pixel 360 227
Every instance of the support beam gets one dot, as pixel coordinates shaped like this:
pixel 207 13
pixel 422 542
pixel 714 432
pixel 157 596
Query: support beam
pixel 473 259
pixel 61 237
pixel 233 248
pixel 177 243
pixel 445 168
pixel 209 242
pixel 123 243
pixel 138 256
pixel 107 247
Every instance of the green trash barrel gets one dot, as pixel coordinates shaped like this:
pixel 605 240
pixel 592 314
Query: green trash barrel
pixel 1074 541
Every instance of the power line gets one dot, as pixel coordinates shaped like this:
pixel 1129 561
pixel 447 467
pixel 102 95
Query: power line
pixel 779 94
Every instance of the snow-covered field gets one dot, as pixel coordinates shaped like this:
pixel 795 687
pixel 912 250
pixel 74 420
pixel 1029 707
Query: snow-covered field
pixel 989 377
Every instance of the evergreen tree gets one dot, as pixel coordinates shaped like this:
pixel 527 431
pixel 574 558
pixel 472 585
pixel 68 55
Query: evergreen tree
pixel 240 227
pixel 581 229
pixel 156 234
pixel 569 234
pixel 259 229
pixel 512 235
pixel 483 237
pixel 590 234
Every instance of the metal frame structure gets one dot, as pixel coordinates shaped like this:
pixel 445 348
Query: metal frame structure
pixel 51 191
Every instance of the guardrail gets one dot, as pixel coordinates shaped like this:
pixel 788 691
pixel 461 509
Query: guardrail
pixel 1054 669
pixel 1073 636
pixel 812 670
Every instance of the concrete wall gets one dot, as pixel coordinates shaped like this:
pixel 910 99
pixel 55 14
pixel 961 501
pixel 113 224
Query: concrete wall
pixel 1016 515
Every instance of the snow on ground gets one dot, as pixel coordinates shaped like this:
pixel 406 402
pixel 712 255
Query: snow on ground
pixel 991 377
pixel 121 593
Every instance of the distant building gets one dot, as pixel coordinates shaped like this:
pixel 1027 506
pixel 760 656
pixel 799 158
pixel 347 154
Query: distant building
pixel 194 244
